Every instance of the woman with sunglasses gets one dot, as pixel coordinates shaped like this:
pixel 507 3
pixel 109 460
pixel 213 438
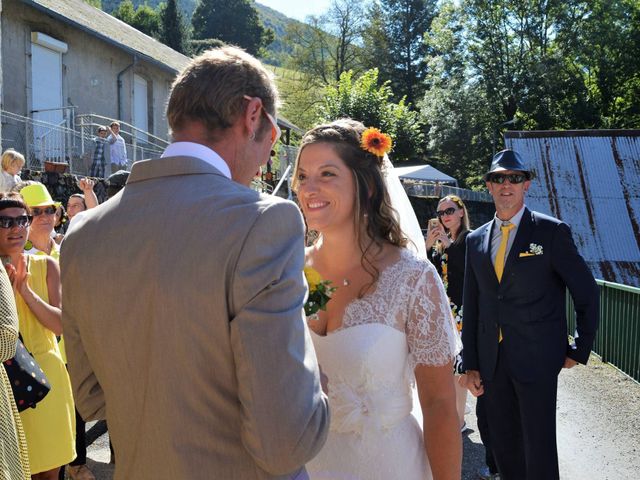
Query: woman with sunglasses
pixel 446 249
pixel 49 428
pixel 43 209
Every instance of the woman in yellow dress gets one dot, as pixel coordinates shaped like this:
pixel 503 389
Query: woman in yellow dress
pixel 14 463
pixel 50 427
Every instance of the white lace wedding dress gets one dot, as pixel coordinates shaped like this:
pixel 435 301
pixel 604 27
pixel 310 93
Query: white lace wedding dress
pixel 369 362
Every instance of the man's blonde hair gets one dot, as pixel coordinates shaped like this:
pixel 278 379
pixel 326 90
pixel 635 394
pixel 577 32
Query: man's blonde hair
pixel 11 157
pixel 211 89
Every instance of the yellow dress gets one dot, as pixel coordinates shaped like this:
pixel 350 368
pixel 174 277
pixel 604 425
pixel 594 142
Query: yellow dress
pixel 14 462
pixel 50 427
pixel 55 254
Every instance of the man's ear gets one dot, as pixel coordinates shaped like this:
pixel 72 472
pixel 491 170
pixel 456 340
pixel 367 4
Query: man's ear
pixel 252 116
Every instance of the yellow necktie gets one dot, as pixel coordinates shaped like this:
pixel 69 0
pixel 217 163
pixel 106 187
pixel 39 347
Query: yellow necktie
pixel 502 249
pixel 500 256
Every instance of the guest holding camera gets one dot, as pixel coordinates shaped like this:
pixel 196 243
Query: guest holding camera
pixel 446 249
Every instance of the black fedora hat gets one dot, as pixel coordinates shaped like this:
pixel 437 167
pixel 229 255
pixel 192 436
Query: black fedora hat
pixel 508 160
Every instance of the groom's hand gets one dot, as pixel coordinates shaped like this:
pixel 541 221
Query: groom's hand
pixel 474 383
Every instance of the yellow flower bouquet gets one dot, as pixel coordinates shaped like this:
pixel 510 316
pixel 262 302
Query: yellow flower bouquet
pixel 319 292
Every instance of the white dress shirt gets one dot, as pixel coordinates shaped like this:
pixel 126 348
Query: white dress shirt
pixel 496 235
pixel 197 150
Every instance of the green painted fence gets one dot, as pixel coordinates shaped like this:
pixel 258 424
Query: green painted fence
pixel 618 337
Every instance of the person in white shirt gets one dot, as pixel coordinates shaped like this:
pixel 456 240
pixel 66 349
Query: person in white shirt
pixel 117 148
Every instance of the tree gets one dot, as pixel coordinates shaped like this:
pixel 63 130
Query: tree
pixel 173 31
pixel 399 26
pixel 364 100
pixel 234 22
pixel 455 108
pixel 327 46
pixel 145 18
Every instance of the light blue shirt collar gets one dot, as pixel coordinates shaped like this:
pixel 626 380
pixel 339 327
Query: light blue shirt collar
pixel 515 219
pixel 197 150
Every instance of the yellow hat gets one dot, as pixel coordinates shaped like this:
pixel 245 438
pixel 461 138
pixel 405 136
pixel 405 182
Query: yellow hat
pixel 37 195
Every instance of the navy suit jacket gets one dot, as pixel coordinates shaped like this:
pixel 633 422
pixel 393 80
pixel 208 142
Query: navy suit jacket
pixel 529 303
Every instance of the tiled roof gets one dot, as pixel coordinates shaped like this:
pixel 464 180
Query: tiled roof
pixel 111 30
pixel 591 180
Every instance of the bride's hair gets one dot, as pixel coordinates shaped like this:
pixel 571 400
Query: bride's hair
pixel 373 208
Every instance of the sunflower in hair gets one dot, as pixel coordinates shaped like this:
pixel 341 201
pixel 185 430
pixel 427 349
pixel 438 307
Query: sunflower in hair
pixel 376 142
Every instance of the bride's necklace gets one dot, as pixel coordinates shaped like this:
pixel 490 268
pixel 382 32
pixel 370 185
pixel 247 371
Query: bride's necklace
pixel 346 282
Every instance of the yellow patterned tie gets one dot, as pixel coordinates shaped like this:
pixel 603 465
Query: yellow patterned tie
pixel 500 256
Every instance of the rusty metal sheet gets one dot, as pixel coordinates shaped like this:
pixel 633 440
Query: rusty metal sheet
pixel 591 180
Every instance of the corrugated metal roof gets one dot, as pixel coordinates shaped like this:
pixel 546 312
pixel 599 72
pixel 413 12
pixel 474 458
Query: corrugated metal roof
pixel 591 180
pixel 112 30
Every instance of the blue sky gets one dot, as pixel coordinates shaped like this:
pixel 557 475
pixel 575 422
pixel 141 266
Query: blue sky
pixel 298 9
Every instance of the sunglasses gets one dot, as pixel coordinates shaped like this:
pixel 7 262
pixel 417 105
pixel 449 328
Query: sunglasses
pixel 23 221
pixel 275 129
pixel 446 211
pixel 499 178
pixel 39 211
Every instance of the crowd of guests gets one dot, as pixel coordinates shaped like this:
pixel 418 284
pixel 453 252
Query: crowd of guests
pixel 40 441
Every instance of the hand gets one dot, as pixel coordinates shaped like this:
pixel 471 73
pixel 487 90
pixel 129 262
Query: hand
pixel 432 236
pixel 86 184
pixel 569 363
pixel 21 277
pixel 444 238
pixel 11 273
pixel 474 383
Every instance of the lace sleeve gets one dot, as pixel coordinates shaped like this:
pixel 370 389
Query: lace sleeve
pixel 430 330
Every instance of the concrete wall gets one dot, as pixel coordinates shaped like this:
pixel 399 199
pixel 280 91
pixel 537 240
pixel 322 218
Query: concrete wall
pixel 90 69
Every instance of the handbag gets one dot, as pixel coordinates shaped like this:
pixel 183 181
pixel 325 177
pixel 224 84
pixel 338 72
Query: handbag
pixel 28 382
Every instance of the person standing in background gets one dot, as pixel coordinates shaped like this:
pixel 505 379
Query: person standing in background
pixel 99 162
pixel 117 148
pixel 519 267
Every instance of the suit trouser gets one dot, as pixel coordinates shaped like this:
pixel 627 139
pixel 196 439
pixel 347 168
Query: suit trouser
pixel 485 436
pixel 522 421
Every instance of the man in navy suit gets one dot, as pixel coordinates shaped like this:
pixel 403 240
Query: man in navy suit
pixel 518 269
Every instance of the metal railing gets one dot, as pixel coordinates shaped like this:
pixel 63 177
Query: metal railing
pixel 618 337
pixel 42 141
pixel 436 190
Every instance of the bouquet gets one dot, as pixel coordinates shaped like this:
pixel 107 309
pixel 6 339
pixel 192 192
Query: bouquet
pixel 319 292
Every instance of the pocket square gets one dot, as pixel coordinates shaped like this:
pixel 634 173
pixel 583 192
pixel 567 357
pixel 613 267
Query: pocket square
pixel 527 254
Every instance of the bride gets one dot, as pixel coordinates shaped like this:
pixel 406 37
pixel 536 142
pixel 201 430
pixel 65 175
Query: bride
pixel 387 324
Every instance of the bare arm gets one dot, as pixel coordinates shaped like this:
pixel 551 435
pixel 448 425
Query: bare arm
pixel 433 343
pixel 440 425
pixel 48 314
pixel 90 198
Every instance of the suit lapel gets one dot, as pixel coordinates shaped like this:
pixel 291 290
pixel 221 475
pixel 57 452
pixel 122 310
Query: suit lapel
pixel 486 250
pixel 522 240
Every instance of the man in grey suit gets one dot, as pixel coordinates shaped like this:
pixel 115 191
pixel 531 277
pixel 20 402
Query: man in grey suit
pixel 187 333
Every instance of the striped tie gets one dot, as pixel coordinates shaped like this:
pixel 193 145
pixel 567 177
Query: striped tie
pixel 500 256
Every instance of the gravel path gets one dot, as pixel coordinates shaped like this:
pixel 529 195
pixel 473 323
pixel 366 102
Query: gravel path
pixel 598 428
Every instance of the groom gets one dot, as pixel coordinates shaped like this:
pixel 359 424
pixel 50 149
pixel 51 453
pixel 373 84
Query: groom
pixel 187 332
pixel 518 269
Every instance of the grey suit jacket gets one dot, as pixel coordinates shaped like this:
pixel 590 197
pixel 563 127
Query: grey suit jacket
pixel 184 327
